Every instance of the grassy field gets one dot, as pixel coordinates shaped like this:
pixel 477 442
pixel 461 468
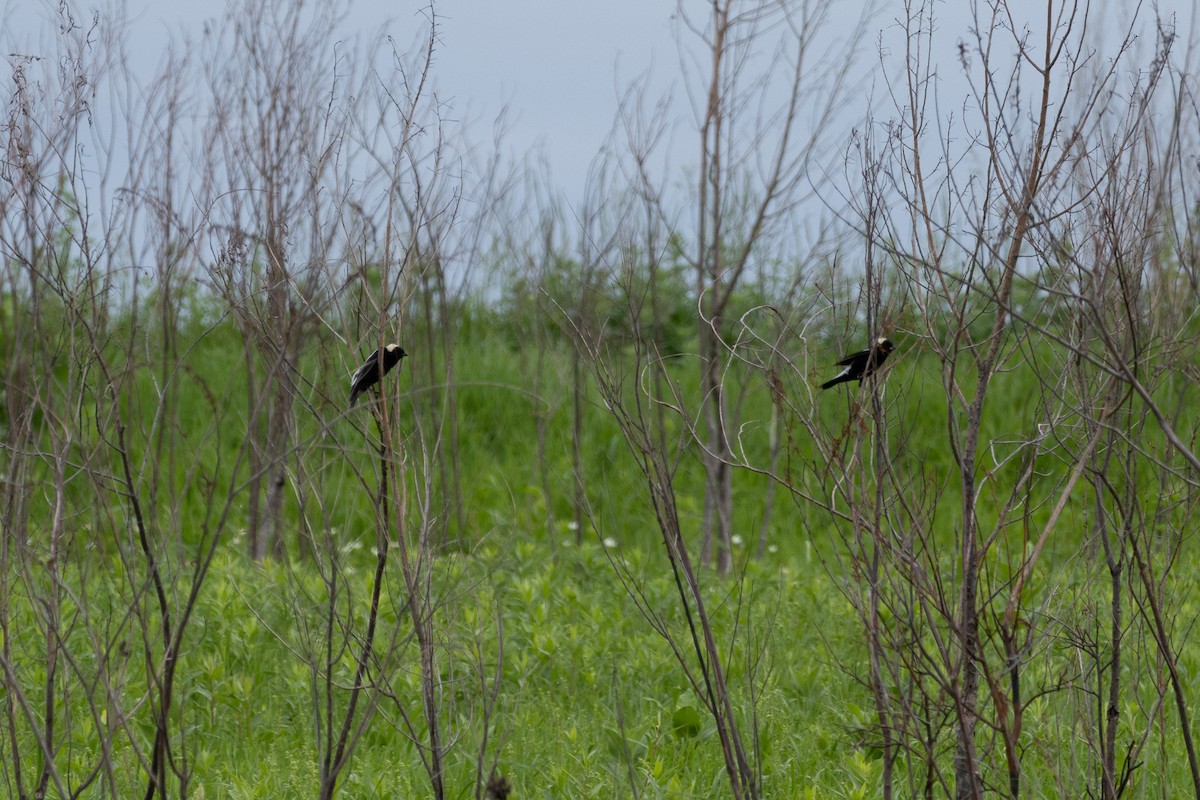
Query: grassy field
pixel 587 692
pixel 549 667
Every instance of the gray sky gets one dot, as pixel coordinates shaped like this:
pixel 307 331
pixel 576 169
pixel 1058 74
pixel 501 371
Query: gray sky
pixel 554 64
pixel 558 65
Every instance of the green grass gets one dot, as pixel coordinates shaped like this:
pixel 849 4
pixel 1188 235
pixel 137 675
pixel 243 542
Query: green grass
pixel 575 649
pixel 588 693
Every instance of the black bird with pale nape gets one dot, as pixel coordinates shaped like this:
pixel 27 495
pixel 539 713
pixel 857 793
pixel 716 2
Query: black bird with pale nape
pixel 862 364
pixel 368 374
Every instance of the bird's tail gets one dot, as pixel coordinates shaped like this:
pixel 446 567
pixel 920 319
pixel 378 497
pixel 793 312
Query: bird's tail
pixel 843 378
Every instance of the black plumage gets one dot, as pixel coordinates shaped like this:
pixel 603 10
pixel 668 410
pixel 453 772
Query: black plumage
pixel 861 364
pixel 368 375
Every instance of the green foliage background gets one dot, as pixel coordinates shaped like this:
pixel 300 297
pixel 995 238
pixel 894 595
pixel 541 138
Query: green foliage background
pixel 589 694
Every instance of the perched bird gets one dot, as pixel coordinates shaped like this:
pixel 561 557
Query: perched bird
pixel 368 374
pixel 861 364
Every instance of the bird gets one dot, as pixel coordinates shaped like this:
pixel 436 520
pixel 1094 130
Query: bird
pixel 863 363
pixel 368 375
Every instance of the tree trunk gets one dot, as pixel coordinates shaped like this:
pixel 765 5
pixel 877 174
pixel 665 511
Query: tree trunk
pixel 718 476
pixel 278 354
pixel 278 435
pixel 967 699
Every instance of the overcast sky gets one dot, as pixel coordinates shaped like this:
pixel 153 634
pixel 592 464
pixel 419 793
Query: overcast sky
pixel 558 65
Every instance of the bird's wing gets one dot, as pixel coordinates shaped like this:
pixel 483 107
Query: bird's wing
pixel 366 365
pixel 848 360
